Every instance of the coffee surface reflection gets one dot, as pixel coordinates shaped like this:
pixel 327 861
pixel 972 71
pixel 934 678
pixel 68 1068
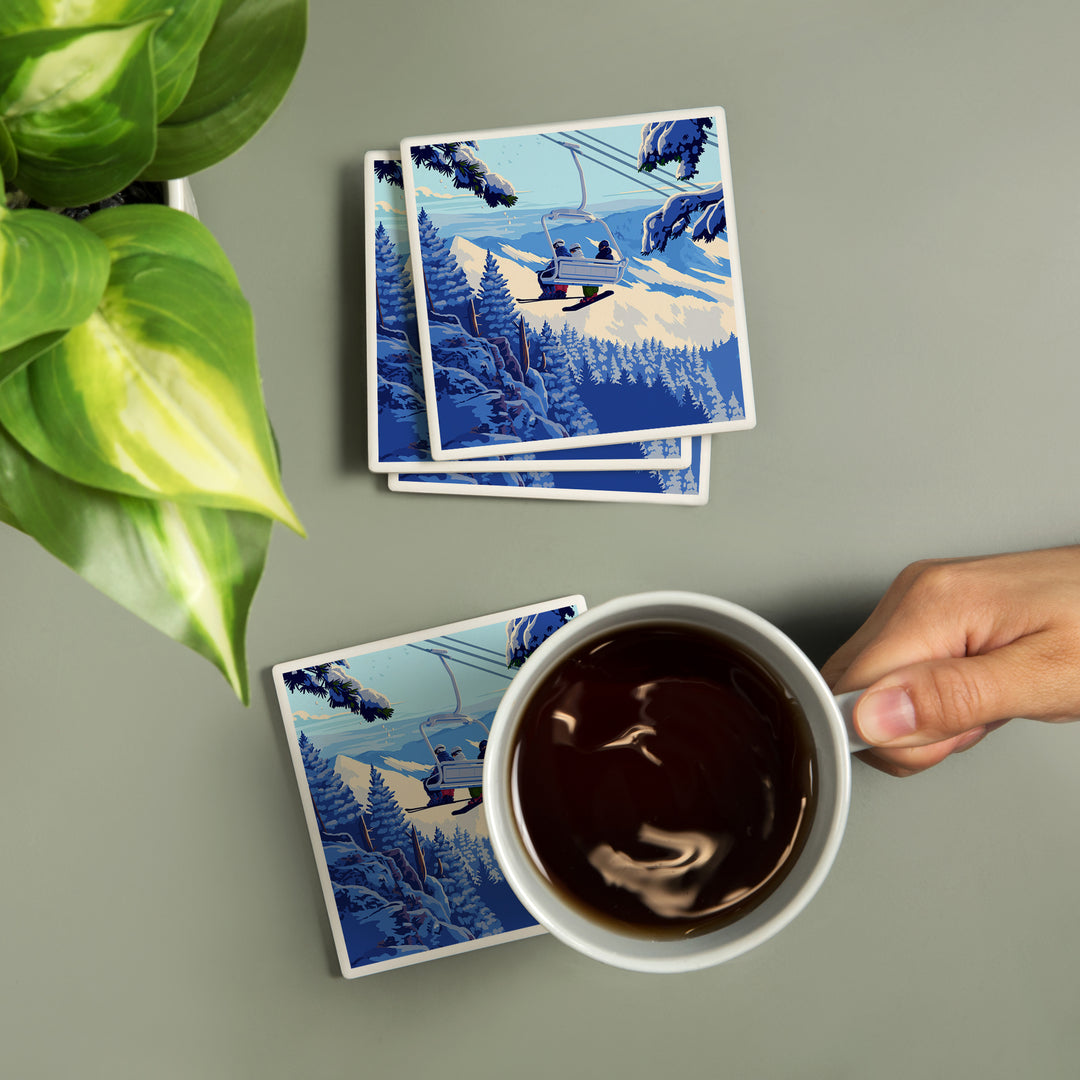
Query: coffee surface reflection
pixel 663 779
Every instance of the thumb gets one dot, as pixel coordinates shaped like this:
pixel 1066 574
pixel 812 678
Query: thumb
pixel 939 699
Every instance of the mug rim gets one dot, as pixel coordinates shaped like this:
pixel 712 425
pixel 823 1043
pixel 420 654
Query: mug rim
pixel 634 951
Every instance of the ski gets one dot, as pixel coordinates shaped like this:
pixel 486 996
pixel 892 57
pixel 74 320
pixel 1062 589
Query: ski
pixel 413 809
pixel 589 300
pixel 537 299
pixel 466 809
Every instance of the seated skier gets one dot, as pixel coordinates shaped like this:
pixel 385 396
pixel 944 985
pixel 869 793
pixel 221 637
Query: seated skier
pixel 438 796
pixel 604 252
pixel 549 291
pixel 476 794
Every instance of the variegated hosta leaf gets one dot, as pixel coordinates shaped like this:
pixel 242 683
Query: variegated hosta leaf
pixel 157 394
pixel 149 229
pixel 245 68
pixel 176 44
pixel 190 571
pixel 52 274
pixel 17 357
pixel 79 106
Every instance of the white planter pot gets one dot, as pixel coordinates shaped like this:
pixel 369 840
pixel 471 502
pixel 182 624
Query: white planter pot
pixel 178 194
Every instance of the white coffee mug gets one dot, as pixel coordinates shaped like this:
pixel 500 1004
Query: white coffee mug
pixel 829 720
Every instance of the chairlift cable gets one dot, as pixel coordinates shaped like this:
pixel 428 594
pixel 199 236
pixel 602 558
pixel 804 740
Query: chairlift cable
pixel 626 154
pixel 472 656
pixel 605 165
pixel 487 671
pixel 464 663
pixel 469 644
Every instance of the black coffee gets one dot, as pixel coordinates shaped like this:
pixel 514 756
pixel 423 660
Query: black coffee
pixel 663 779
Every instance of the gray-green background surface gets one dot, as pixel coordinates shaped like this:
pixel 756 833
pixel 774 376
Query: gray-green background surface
pixel 905 180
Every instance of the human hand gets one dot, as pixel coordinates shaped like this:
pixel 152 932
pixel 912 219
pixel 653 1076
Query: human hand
pixel 956 648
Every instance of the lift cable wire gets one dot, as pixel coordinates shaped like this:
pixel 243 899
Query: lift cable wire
pixel 465 663
pixel 604 164
pixel 625 155
pixel 470 645
pixel 456 649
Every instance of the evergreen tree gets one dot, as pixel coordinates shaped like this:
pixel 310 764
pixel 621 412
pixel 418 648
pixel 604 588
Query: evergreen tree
pixel 341 690
pixel 335 805
pixel 491 864
pixel 665 359
pixel 680 142
pixel 393 287
pixel 712 399
pixel 593 362
pixel 564 401
pixel 735 409
pixel 570 340
pixel 467 171
pixel 495 309
pixel 469 910
pixel 465 842
pixel 611 363
pixel 386 819
pixel 445 282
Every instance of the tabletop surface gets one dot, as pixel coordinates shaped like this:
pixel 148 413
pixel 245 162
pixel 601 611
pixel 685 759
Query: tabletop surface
pixel 905 181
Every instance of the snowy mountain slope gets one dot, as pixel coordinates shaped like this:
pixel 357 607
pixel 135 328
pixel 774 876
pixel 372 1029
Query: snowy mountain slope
pixel 408 789
pixel 682 297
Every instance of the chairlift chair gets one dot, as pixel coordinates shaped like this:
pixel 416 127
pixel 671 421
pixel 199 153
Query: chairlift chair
pixel 568 270
pixel 451 774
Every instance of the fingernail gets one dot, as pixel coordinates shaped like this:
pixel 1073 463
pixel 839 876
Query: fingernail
pixel 967 741
pixel 886 715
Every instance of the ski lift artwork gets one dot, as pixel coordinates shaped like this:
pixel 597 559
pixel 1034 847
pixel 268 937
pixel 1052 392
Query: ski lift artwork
pixel 566 269
pixel 450 771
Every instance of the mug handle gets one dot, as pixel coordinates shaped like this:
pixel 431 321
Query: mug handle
pixel 846 704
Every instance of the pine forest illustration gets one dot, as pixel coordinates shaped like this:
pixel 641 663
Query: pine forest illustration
pixel 388 744
pixel 399 436
pixel 576 285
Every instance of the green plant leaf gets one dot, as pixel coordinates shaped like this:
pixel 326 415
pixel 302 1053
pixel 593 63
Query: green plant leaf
pixel 17 357
pixel 157 394
pixel 189 571
pixel 79 106
pixel 245 68
pixel 9 158
pixel 7 515
pixel 146 229
pixel 175 48
pixel 53 272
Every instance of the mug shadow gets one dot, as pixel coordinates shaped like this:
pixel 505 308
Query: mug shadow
pixel 819 633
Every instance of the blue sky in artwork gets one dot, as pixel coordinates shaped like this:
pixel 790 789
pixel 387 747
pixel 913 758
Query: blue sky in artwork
pixel 544 176
pixel 417 685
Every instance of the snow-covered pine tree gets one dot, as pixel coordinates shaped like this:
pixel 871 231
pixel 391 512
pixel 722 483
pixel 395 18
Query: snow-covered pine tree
pixel 491 865
pixel 447 287
pixel 643 357
pixel 612 367
pixel 681 142
pixel 465 842
pixel 393 287
pixel 386 819
pixel 735 409
pixel 665 362
pixel 593 362
pixel 459 162
pixel 711 397
pixel 496 312
pixel 469 910
pixel 564 401
pixel 335 805
pixel 570 340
